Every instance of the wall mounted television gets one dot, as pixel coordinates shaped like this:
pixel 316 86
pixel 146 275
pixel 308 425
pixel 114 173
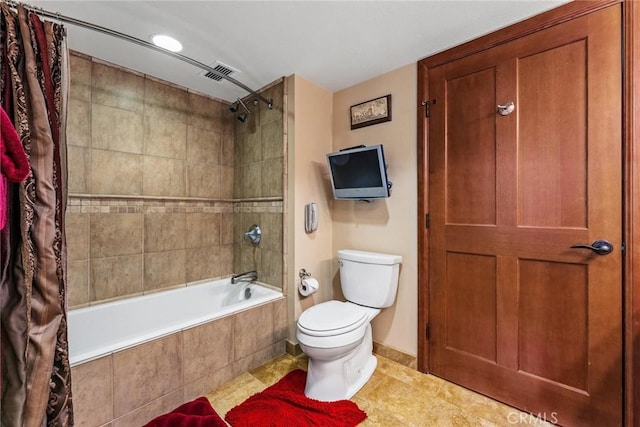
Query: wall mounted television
pixel 359 173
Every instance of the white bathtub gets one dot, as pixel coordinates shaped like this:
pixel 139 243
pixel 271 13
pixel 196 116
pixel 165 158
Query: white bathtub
pixel 99 330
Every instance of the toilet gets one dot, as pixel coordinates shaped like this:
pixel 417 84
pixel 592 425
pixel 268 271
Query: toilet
pixel 336 335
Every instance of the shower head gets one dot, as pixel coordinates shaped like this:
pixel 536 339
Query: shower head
pixel 242 117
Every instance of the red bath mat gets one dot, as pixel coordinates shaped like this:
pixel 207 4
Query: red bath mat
pixel 285 405
pixel 197 413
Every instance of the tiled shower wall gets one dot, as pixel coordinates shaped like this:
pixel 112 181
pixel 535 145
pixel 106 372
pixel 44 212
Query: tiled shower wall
pixel 258 187
pixel 151 185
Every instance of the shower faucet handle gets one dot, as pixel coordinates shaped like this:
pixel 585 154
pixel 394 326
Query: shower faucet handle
pixel 254 234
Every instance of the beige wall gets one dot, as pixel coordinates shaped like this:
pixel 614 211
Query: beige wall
pixel 309 127
pixel 388 225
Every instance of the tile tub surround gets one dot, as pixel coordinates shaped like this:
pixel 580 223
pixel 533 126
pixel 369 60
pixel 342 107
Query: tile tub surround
pixel 156 172
pixel 396 395
pixel 150 184
pixel 128 246
pixel 130 387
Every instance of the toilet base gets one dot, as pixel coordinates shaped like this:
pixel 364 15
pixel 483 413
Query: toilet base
pixel 339 379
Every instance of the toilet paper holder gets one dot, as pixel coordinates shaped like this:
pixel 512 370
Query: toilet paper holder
pixel 303 274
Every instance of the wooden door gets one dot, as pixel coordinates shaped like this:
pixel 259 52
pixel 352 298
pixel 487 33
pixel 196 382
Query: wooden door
pixel 515 312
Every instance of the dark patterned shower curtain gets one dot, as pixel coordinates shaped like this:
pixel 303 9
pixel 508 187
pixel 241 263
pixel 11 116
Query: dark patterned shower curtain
pixel 36 383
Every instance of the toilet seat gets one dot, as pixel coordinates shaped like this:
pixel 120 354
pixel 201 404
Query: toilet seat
pixel 332 318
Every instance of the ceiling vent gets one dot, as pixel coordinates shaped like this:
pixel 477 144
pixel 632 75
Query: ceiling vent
pixel 220 68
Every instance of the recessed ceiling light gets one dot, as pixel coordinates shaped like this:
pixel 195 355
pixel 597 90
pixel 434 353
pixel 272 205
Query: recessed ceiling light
pixel 166 42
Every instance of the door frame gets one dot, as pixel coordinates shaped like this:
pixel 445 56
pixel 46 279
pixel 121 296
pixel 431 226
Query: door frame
pixel 631 175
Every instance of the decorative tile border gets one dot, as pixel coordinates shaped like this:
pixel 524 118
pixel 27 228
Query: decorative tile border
pixel 266 205
pixel 91 204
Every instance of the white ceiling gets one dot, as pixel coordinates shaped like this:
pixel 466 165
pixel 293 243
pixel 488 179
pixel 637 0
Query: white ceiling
pixel 334 44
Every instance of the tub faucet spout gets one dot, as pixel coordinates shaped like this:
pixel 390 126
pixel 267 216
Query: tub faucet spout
pixel 249 276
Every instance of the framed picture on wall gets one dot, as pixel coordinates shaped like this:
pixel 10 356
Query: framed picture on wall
pixel 371 112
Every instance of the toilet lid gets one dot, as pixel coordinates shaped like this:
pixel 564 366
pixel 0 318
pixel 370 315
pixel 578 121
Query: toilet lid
pixel 332 318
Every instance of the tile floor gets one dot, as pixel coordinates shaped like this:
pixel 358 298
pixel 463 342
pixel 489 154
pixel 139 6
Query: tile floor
pixel 395 396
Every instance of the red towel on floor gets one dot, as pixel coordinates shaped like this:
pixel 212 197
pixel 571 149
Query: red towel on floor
pixel 14 164
pixel 285 405
pixel 197 413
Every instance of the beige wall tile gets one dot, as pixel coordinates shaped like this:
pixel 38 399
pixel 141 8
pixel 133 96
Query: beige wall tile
pixel 228 120
pixel 77 227
pixel 238 182
pixel 253 330
pixel 252 149
pixel 280 319
pixel 143 415
pixel 203 229
pixel 270 268
pixel 77 283
pixel 163 177
pixel 258 358
pixel 204 180
pixel 115 87
pixel 226 229
pixel 116 173
pixel 276 93
pixel 199 263
pixel 115 277
pixel 164 269
pixel 272 177
pixel 146 372
pixel 115 234
pixel 223 265
pixel 252 185
pixel 79 163
pixel 271 224
pixel 162 101
pixel 92 392
pixel 239 142
pixel 204 146
pixel 205 112
pixel 165 138
pixel 164 231
pixel 80 78
pixel 226 182
pixel 208 262
pixel 272 140
pixel 207 383
pixel 227 154
pixel 79 123
pixel 247 258
pixel 116 129
pixel 207 348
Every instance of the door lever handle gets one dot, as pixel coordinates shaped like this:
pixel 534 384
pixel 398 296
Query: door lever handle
pixel 600 247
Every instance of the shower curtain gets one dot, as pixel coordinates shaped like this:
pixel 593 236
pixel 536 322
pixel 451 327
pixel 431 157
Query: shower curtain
pixel 36 383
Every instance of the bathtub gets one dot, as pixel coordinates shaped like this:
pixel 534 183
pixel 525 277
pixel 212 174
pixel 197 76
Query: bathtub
pixel 99 330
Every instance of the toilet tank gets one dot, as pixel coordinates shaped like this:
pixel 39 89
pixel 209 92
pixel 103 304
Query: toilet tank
pixel 369 278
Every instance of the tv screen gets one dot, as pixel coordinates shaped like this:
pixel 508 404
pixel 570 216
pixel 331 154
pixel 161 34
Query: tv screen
pixel 359 173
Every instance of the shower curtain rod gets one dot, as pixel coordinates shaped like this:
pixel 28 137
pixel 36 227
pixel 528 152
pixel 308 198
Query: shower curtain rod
pixel 140 42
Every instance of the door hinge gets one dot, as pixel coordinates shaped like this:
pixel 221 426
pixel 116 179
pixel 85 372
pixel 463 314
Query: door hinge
pixel 427 110
pixel 427 220
pixel 427 331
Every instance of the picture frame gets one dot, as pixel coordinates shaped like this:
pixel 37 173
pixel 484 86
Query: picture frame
pixel 372 112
